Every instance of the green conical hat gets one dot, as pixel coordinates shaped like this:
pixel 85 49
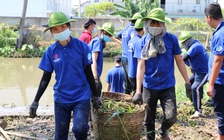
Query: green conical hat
pixel 108 27
pixel 184 36
pixel 139 24
pixel 136 16
pixel 57 18
pixel 156 14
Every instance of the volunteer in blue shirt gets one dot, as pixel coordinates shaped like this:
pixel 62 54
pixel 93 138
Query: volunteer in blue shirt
pixel 96 46
pixel 132 61
pixel 156 71
pixel 215 89
pixel 71 60
pixel 125 35
pixel 196 58
pixel 115 77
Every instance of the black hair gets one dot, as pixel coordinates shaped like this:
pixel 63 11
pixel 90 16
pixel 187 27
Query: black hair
pixel 139 29
pixel 88 23
pixel 103 42
pixel 213 10
pixel 117 58
pixel 133 21
pixel 68 24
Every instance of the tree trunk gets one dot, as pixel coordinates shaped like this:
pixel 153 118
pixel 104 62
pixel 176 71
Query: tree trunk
pixel 80 8
pixel 20 37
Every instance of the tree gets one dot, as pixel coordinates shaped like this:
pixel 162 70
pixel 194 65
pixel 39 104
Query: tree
pixel 75 12
pixel 20 37
pixel 102 8
pixel 105 7
pixel 91 10
pixel 131 7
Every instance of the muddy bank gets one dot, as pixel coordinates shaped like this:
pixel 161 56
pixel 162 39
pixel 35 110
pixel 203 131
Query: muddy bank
pixel 21 127
pixel 24 111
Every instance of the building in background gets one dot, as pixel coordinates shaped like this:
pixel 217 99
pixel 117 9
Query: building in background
pixel 43 8
pixel 173 8
pixel 35 8
pixel 181 8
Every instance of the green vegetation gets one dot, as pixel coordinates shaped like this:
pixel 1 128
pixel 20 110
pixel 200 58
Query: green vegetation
pixel 131 7
pixel 102 8
pixel 8 37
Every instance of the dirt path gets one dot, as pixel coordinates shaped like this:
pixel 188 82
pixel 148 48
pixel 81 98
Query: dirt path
pixel 21 127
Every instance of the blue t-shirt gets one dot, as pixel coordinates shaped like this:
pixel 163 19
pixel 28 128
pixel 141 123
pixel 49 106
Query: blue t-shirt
pixel 96 45
pixel 126 36
pixel 159 70
pixel 198 57
pixel 115 77
pixel 132 61
pixel 69 63
pixel 217 48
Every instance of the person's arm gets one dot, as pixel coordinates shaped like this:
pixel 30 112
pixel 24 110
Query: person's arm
pixel 186 57
pixel 137 98
pixel 46 77
pixel 42 87
pixel 182 68
pixel 216 66
pixel 108 87
pixel 90 79
pixel 117 40
pixel 94 65
pixel 140 74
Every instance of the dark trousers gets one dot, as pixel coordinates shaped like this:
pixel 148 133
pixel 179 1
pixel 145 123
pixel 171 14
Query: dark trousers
pixel 127 84
pixel 63 112
pixel 167 99
pixel 198 80
pixel 218 104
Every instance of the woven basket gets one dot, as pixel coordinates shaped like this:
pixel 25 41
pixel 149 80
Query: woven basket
pixel 117 96
pixel 114 130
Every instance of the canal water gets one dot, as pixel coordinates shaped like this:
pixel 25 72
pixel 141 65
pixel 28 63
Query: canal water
pixel 20 77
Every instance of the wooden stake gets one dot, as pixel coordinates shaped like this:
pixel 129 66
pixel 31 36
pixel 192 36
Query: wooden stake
pixel 5 134
pixel 24 136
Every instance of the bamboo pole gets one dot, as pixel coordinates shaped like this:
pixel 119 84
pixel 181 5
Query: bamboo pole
pixel 24 136
pixel 5 134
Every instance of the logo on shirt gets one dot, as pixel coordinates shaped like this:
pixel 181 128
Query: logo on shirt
pixel 89 56
pixel 56 59
pixel 125 34
pixel 219 48
pixel 131 47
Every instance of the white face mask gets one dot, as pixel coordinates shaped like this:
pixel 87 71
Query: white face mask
pixel 154 31
pixel 62 36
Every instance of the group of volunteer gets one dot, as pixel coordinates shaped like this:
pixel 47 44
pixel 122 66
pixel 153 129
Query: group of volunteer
pixel 149 54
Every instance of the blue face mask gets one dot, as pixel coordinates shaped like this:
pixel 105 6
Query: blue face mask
pixel 106 38
pixel 62 36
pixel 94 30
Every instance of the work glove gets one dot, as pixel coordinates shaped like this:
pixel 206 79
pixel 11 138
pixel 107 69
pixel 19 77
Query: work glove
pixel 33 109
pixel 97 103
pixel 137 99
pixel 188 91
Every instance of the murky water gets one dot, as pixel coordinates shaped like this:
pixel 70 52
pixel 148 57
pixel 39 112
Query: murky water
pixel 20 77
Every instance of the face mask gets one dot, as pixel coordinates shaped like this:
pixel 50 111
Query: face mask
pixel 94 30
pixel 62 36
pixel 106 38
pixel 154 31
pixel 185 47
pixel 187 44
